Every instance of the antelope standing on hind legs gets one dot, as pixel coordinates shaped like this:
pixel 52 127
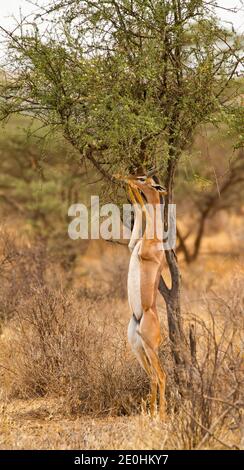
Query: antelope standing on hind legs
pixel 144 273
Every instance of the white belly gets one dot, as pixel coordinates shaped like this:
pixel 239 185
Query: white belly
pixel 134 283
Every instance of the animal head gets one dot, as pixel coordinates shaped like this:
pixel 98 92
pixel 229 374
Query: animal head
pixel 143 183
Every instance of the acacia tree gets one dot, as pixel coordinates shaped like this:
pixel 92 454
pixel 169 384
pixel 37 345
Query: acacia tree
pixel 127 82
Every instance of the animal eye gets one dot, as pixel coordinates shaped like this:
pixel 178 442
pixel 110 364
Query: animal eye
pixel 141 178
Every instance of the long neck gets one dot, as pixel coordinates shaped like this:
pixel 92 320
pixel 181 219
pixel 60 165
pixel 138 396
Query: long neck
pixel 154 224
pixel 152 197
pixel 137 228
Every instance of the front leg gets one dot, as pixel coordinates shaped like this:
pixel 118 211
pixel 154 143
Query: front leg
pixel 136 234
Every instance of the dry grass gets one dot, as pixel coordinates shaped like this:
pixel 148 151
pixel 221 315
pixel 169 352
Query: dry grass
pixel 69 381
pixel 57 347
pixel 40 424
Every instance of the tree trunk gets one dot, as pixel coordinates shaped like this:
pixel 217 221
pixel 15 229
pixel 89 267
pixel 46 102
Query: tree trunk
pixel 179 346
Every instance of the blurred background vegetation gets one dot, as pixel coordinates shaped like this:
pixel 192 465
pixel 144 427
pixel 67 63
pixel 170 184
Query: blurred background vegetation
pixel 41 175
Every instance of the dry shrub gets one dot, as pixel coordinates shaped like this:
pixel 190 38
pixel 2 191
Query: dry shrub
pixel 56 346
pixel 215 396
pixel 111 285
pixel 73 346
pixel 8 255
pixel 60 343
pixel 21 267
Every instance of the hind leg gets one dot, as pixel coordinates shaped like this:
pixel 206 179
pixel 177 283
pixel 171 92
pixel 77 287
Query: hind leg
pixel 153 393
pixel 137 347
pixel 161 379
pixel 150 334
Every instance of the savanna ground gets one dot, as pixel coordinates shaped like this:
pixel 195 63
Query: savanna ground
pixel 68 377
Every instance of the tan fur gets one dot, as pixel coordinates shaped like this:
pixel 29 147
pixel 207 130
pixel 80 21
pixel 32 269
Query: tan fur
pixel 151 262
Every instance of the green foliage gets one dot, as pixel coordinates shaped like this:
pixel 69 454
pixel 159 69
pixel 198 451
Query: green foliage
pixel 235 119
pixel 39 177
pixel 127 83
